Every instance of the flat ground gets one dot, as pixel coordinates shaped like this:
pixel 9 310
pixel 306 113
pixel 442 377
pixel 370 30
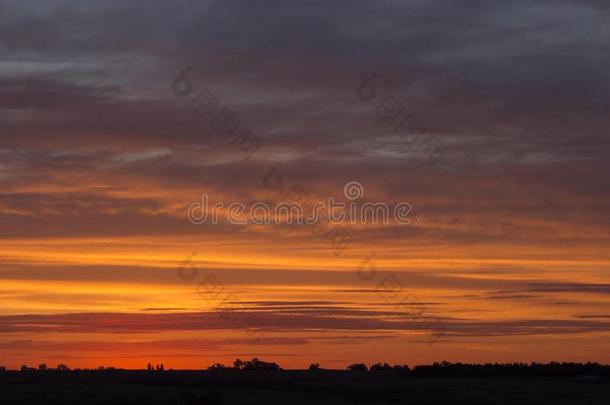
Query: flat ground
pixel 293 388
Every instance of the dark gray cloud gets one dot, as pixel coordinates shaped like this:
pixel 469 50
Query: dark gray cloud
pixel 464 67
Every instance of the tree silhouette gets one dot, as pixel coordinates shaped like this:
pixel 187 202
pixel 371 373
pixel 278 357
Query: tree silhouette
pixel 357 367
pixel 439 369
pixel 552 369
pixel 217 366
pixel 379 367
pixel 256 364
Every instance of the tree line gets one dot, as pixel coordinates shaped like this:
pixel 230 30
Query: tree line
pixel 438 369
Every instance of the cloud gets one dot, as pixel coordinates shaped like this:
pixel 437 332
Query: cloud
pixel 326 320
pixel 99 158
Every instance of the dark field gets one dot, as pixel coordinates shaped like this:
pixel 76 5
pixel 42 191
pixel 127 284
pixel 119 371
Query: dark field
pixel 293 387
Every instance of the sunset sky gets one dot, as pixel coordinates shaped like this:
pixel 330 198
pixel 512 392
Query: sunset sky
pixel 109 131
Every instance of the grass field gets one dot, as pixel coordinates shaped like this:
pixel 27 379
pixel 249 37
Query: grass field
pixel 294 388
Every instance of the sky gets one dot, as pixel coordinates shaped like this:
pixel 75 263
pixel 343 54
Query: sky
pixel 489 119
